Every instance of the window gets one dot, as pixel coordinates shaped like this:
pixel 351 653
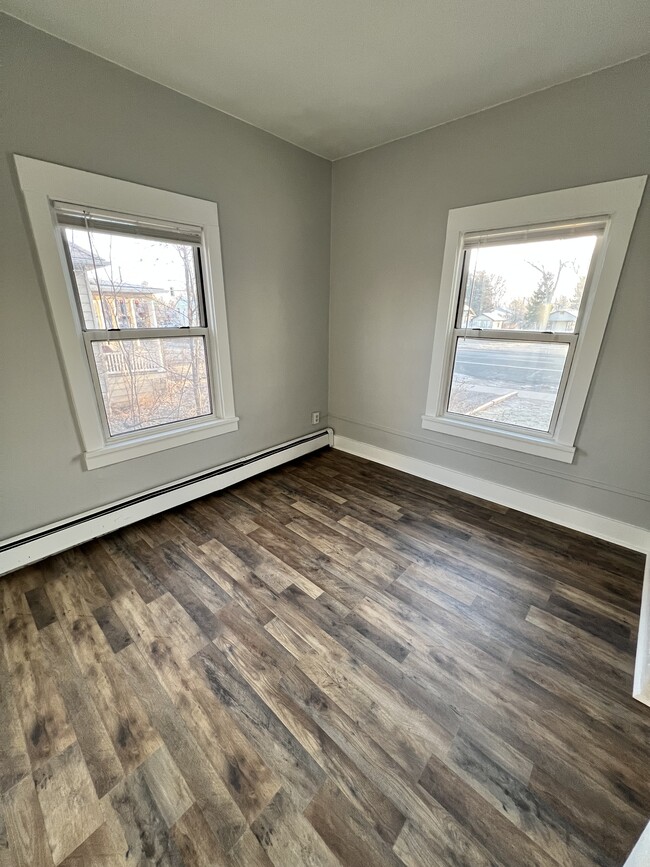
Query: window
pixel 140 304
pixel 133 277
pixel 526 290
pixel 527 286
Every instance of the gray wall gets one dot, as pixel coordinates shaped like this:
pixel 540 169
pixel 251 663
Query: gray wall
pixel 390 209
pixel 61 104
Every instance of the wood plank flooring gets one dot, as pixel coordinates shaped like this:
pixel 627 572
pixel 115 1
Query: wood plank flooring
pixel 331 664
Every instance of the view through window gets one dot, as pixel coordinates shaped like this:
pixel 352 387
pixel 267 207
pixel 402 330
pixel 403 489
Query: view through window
pixel 517 322
pixel 140 302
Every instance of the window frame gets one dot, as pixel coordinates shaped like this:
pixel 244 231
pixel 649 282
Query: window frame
pixel 614 204
pixel 44 184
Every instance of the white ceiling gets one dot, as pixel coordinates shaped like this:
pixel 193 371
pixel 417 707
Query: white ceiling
pixel 339 76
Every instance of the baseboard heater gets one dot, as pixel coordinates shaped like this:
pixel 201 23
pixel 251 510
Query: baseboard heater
pixel 45 541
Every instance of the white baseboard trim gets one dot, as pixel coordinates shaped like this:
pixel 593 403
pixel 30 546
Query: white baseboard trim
pixel 45 541
pixel 640 855
pixel 641 689
pixel 572 517
pixel 627 535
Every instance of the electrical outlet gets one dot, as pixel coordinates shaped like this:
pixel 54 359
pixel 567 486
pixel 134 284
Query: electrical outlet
pixel 315 418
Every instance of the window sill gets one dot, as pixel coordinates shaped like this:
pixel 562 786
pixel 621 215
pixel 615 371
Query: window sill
pixel 157 442
pixel 530 444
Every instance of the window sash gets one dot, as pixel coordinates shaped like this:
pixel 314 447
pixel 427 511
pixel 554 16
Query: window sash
pixel 198 273
pixel 571 339
pixel 96 336
pixel 509 334
pixel 485 239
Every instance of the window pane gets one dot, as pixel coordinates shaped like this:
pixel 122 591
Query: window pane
pixel 509 381
pixel 528 286
pixel 125 282
pixel 150 382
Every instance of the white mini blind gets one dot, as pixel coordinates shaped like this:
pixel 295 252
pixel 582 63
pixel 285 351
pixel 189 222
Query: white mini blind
pixel 93 220
pixel 523 234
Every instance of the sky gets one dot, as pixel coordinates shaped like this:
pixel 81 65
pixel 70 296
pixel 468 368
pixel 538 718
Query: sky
pixel 138 259
pixel 511 261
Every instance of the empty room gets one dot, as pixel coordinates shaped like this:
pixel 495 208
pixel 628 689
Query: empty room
pixel 324 433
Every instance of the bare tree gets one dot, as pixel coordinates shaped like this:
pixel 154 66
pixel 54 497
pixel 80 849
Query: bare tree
pixel 540 303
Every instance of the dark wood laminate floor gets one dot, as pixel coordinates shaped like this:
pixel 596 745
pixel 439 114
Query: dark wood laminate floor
pixel 332 664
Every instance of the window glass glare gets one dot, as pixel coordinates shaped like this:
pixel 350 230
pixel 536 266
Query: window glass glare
pixel 128 282
pixel 526 286
pixel 514 382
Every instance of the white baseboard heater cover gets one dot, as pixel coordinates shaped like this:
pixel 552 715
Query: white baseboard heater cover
pixel 45 541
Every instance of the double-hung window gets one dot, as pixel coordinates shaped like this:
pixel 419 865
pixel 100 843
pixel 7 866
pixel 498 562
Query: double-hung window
pixel 133 276
pixel 526 290
pixel 139 293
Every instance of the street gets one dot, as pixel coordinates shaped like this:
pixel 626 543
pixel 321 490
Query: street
pixel 534 365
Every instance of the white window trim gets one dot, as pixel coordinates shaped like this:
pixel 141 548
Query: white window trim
pixel 43 183
pixel 615 201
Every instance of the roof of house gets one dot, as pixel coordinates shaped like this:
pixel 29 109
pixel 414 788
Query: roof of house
pixel 83 259
pixel 564 314
pixel 494 315
pixel 128 288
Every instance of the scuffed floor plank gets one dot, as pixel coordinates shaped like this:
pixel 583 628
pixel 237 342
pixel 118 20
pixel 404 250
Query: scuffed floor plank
pixel 131 734
pixel 195 841
pixel 68 801
pixel 207 787
pixel 40 707
pixel 103 764
pixel 14 761
pixel 289 838
pixel 146 833
pixel 27 843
